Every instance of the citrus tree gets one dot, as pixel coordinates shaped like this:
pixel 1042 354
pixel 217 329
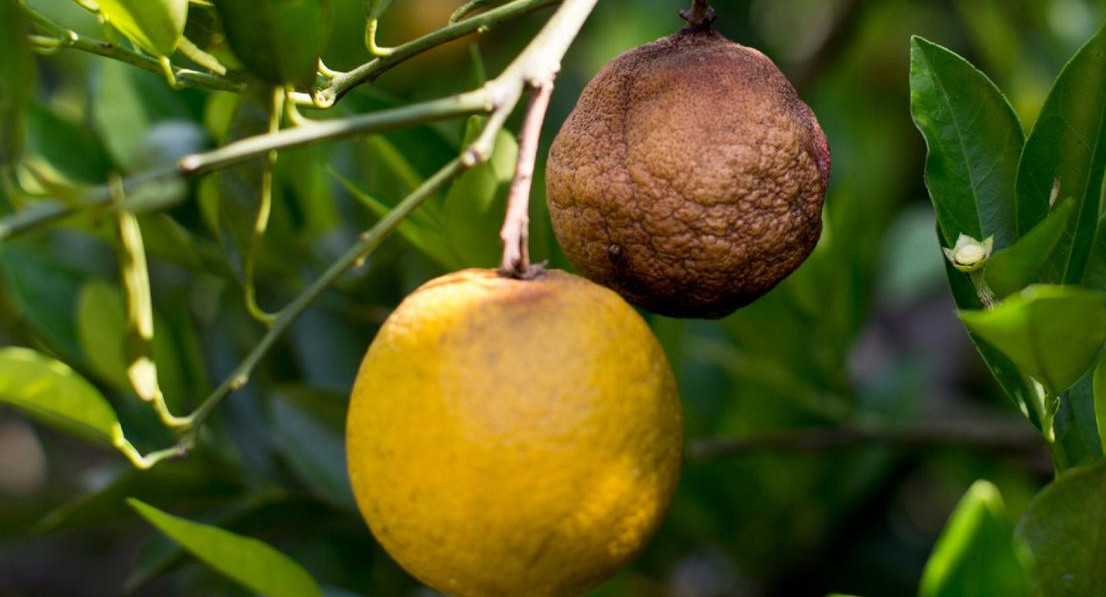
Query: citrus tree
pixel 209 209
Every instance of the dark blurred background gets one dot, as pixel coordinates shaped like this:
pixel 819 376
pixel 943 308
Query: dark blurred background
pixel 863 335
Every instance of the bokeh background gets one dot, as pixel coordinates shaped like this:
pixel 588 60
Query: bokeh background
pixel 863 336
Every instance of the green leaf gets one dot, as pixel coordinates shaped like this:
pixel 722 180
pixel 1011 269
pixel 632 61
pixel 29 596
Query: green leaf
pixel 1053 333
pixel 974 140
pixel 375 8
pixel 975 555
pixel 1017 266
pixel 1100 401
pixel 71 149
pixel 278 40
pixel 154 25
pixel 420 228
pixel 254 564
pixel 187 482
pixel 51 392
pixel 1075 427
pixel 476 201
pixel 235 193
pixel 127 102
pixel 1064 530
pixel 17 80
pixel 314 450
pixel 101 327
pixel 1096 266
pixel 45 292
pixel 1004 370
pixel 1065 156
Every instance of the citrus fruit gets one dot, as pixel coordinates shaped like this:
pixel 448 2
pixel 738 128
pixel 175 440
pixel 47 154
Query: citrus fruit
pixel 513 437
pixel 689 177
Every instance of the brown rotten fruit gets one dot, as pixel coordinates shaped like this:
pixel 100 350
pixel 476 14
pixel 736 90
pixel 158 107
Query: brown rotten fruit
pixel 689 177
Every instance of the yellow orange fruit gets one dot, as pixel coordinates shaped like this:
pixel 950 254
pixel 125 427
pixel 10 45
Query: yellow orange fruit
pixel 514 437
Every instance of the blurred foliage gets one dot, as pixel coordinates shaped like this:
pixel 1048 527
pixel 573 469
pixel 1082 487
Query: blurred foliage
pixel 864 332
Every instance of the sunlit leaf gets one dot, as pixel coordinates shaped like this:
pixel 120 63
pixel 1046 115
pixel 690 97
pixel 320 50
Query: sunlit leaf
pixel 1065 156
pixel 975 555
pixel 1064 530
pixel 17 79
pixel 254 564
pixel 974 140
pixel 278 40
pixel 54 394
pixel 1053 333
pixel 154 25
pixel 1017 266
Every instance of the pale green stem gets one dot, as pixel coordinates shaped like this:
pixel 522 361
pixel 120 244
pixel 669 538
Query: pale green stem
pixel 182 77
pixel 261 222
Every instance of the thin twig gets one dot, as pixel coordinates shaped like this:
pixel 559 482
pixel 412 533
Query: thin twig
pixel 368 72
pixel 986 436
pixel 46 212
pixel 516 225
pixel 366 243
pixel 67 38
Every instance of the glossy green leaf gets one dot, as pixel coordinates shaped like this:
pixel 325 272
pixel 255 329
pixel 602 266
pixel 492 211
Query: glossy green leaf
pixel 1064 530
pixel 974 140
pixel 1053 333
pixel 254 564
pixel 154 25
pixel 278 40
pixel 476 201
pixel 1004 370
pixel 17 80
pixel 54 394
pixel 1018 265
pixel 1100 401
pixel 1065 156
pixel 975 554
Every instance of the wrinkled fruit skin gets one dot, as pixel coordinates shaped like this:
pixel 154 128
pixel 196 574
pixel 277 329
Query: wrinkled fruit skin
pixel 689 177
pixel 510 437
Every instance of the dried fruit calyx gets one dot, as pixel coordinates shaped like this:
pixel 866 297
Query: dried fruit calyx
pixel 689 177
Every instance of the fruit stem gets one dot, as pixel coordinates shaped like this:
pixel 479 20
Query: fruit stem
pixel 516 224
pixel 700 17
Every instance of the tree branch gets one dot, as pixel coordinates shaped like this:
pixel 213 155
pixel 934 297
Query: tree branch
pixel 516 224
pixel 976 435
